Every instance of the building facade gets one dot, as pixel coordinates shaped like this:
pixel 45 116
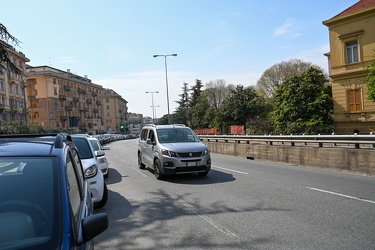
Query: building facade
pixel 62 100
pixel 115 109
pixel 134 123
pixel 13 98
pixel 352 47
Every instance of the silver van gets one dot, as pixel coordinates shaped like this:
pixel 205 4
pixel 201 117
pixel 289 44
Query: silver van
pixel 172 149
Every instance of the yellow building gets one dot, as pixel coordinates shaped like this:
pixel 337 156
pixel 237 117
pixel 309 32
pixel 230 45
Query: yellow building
pixel 115 109
pixel 13 99
pixel 352 47
pixel 63 100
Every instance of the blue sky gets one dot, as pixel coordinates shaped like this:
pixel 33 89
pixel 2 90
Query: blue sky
pixel 113 41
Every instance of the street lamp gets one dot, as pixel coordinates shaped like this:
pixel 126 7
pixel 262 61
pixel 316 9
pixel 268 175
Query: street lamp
pixel 166 79
pixel 152 98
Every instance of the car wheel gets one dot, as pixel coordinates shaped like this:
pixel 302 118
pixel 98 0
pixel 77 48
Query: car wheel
pixel 203 173
pixel 104 198
pixel 140 164
pixel 157 170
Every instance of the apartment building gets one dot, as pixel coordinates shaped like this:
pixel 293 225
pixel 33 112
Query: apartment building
pixel 115 109
pixel 13 98
pixel 62 100
pixel 352 47
pixel 134 123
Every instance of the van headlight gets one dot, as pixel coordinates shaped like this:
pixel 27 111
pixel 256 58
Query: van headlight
pixel 206 152
pixel 91 171
pixel 168 152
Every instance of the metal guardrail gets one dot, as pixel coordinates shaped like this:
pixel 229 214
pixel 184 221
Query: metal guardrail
pixel 355 141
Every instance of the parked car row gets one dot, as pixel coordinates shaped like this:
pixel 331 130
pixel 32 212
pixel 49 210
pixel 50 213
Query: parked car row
pixel 48 187
pixel 107 138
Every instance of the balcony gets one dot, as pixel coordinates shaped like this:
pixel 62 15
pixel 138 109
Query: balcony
pixel 89 101
pixel 62 97
pixel 94 93
pixel 67 88
pixel 63 117
pixel 76 99
pixel 98 103
pixel 68 108
pixel 95 110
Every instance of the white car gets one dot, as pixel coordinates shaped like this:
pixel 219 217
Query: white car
pixel 93 174
pixel 103 160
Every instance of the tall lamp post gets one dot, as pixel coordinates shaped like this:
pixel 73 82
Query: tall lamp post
pixel 166 80
pixel 152 98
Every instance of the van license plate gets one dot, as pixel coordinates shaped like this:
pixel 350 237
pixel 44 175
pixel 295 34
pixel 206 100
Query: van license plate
pixel 191 164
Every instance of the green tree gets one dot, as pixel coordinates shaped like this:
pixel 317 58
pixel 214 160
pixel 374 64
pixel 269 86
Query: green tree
pixel 6 40
pixel 196 92
pixel 273 77
pixel 303 104
pixel 181 112
pixel 244 104
pixel 199 113
pixel 371 80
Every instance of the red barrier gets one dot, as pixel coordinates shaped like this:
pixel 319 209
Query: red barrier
pixel 237 130
pixel 206 131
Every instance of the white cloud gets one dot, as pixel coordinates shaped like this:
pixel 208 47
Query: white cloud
pixel 315 56
pixel 288 28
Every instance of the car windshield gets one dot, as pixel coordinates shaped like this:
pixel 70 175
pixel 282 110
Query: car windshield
pixel 95 145
pixel 174 135
pixel 83 147
pixel 29 203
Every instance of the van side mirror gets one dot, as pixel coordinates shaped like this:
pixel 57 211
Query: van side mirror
pixel 149 142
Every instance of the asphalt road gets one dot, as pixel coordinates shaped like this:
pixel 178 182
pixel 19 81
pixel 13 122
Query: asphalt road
pixel 241 204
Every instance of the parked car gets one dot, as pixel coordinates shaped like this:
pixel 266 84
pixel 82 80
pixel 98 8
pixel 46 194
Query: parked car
pixel 172 149
pixel 45 200
pixel 93 174
pixel 103 160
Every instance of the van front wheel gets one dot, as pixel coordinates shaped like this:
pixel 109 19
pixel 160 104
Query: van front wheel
pixel 157 170
pixel 140 164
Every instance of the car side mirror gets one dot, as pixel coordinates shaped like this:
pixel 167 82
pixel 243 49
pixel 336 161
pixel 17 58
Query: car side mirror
pixel 99 153
pixel 149 142
pixel 106 147
pixel 94 225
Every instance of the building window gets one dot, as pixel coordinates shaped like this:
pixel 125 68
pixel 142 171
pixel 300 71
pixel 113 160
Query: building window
pixel 354 100
pixel 106 99
pixel 351 52
pixel 107 106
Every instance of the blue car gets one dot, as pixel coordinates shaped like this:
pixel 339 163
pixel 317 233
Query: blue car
pixel 45 200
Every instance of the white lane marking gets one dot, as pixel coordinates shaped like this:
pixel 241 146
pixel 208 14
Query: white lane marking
pixel 230 170
pixel 206 218
pixel 342 195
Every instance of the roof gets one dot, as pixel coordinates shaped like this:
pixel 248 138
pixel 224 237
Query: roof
pixel 358 7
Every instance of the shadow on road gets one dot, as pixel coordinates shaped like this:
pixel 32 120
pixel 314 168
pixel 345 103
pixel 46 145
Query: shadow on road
pixel 213 177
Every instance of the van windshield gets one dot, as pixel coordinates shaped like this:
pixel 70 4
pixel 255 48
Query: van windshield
pixel 174 135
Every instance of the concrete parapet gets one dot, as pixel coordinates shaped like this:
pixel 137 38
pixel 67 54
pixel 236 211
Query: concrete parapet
pixel 349 159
